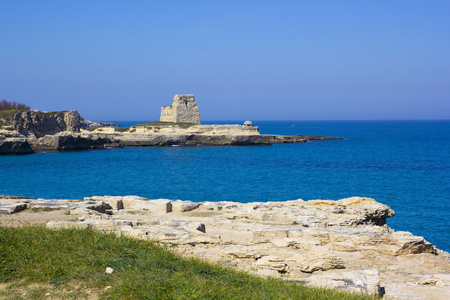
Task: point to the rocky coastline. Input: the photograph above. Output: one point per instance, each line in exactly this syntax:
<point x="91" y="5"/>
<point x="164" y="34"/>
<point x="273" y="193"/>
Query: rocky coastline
<point x="338" y="244"/>
<point x="31" y="131"/>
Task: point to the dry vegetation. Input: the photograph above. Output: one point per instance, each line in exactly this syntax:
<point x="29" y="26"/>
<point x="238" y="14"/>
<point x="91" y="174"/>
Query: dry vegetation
<point x="7" y="105"/>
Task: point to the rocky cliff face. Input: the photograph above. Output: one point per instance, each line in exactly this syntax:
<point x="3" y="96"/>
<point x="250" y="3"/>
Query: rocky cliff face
<point x="39" y="124"/>
<point x="68" y="141"/>
<point x="183" y="110"/>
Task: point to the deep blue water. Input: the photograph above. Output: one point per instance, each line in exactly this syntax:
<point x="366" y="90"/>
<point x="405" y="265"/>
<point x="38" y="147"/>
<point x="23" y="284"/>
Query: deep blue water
<point x="404" y="164"/>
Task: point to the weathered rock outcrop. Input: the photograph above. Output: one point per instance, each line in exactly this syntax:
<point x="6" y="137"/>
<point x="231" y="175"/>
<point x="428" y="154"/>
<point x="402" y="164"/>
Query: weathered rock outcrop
<point x="65" y="141"/>
<point x="11" y="142"/>
<point x="86" y="124"/>
<point x="15" y="146"/>
<point x="344" y="244"/>
<point x="183" y="110"/>
<point x="39" y="124"/>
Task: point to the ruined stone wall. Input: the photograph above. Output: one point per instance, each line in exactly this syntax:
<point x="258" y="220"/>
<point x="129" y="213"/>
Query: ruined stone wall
<point x="168" y="114"/>
<point x="184" y="109"/>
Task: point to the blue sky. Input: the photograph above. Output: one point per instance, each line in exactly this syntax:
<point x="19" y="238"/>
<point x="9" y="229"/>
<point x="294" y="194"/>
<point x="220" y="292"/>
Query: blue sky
<point x="257" y="60"/>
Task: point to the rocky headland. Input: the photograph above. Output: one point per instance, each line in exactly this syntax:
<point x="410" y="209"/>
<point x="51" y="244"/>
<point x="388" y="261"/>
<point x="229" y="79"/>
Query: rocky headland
<point x="338" y="244"/>
<point x="24" y="132"/>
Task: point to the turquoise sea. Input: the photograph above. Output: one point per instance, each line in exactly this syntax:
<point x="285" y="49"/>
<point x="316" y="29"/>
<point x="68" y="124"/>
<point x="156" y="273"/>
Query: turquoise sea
<point x="404" y="164"/>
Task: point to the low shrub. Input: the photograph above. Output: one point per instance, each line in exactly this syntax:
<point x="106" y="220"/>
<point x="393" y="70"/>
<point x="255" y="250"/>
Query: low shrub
<point x="6" y="105"/>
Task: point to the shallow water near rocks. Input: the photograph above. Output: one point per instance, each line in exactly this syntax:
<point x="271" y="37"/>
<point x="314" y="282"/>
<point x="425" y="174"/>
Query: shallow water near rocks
<point x="404" y="164"/>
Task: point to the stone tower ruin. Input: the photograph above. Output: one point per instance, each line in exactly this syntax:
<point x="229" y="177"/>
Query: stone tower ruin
<point x="184" y="109"/>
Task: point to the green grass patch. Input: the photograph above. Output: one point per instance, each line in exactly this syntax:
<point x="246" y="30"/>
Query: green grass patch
<point x="121" y="129"/>
<point x="156" y="124"/>
<point x="8" y="112"/>
<point x="7" y="116"/>
<point x="70" y="263"/>
<point x="44" y="209"/>
<point x="159" y="123"/>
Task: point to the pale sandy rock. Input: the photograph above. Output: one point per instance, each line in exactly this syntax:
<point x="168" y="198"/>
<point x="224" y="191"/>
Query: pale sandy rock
<point x="364" y="281"/>
<point x="123" y="223"/>
<point x="133" y="198"/>
<point x="110" y="130"/>
<point x="194" y="227"/>
<point x="307" y="258"/>
<point x="389" y="243"/>
<point x="183" y="206"/>
<point x="218" y="130"/>
<point x="11" y="208"/>
<point x="158" y="205"/>
<point x="297" y="243"/>
<point x="67" y="224"/>
<point x="439" y="280"/>
<point x="410" y="244"/>
<point x="115" y="202"/>
<point x="170" y="236"/>
<point x="240" y="252"/>
<point x="269" y="262"/>
<point x="313" y="258"/>
<point x="265" y="236"/>
<point x="443" y="280"/>
<point x="341" y="243"/>
<point x="310" y="234"/>
<point x="268" y="273"/>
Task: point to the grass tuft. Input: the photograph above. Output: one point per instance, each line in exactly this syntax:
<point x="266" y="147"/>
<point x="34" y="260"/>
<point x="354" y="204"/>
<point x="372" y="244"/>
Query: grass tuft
<point x="156" y="124"/>
<point x="44" y="209"/>
<point x="71" y="263"/>
<point x="159" y="123"/>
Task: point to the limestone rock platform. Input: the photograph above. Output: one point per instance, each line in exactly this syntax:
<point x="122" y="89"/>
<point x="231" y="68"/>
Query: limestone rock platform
<point x="338" y="244"/>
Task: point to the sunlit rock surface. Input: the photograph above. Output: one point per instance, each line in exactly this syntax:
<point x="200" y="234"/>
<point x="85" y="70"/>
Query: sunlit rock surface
<point x="344" y="244"/>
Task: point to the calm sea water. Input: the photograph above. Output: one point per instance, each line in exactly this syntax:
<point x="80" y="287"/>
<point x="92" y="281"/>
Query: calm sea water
<point x="404" y="164"/>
